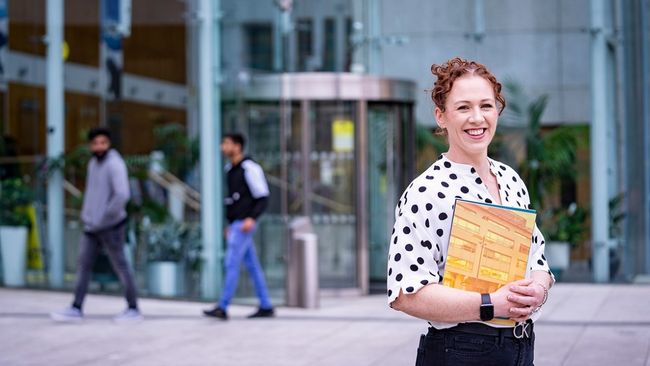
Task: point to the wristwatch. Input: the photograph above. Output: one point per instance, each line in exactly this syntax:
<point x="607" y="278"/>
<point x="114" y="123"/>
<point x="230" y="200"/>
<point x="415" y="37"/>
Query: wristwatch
<point x="487" y="308"/>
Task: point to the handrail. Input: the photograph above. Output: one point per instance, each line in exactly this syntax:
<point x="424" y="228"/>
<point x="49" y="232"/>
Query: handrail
<point x="70" y="188"/>
<point x="188" y="194"/>
<point x="327" y="202"/>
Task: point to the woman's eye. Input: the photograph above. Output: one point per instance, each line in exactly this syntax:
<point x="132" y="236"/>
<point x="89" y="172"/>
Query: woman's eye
<point x="486" y="106"/>
<point x="462" y="108"/>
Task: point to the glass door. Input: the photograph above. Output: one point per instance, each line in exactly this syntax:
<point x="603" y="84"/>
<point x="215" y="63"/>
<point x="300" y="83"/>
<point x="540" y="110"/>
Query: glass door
<point x="383" y="185"/>
<point x="331" y="200"/>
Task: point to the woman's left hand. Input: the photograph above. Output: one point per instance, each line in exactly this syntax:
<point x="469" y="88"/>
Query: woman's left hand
<point x="530" y="297"/>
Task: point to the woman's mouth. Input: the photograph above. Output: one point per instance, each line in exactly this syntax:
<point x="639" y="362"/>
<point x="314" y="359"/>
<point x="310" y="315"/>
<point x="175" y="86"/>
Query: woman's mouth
<point x="476" y="133"/>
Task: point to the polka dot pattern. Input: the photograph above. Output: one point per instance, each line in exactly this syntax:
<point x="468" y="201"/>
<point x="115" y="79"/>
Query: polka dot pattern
<point x="423" y="221"/>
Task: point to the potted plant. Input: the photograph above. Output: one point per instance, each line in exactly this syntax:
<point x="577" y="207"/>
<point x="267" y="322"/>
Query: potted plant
<point x="564" y="229"/>
<point x="14" y="225"/>
<point x="165" y="254"/>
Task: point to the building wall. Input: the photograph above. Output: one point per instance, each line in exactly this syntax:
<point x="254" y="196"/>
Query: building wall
<point x="544" y="45"/>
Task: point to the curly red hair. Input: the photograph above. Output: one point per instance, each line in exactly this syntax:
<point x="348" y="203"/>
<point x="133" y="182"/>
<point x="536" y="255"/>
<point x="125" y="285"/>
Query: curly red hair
<point x="454" y="68"/>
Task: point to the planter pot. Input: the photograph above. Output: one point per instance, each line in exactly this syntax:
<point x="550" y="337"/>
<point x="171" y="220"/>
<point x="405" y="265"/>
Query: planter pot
<point x="558" y="254"/>
<point x="14" y="254"/>
<point x="164" y="278"/>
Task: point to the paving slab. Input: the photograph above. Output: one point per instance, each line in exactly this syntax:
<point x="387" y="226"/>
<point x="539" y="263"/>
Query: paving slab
<point x="582" y="324"/>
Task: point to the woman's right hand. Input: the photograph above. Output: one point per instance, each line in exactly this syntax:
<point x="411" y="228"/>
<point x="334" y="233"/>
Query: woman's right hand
<point x="500" y="300"/>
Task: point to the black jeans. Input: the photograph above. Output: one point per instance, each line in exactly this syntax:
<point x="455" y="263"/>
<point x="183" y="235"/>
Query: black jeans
<point x="112" y="240"/>
<point x="452" y="348"/>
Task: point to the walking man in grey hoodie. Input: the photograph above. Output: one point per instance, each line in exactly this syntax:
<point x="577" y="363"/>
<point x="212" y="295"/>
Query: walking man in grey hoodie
<point x="104" y="219"/>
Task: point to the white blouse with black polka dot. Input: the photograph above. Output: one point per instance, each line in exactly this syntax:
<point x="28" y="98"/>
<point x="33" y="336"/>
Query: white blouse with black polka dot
<point x="418" y="244"/>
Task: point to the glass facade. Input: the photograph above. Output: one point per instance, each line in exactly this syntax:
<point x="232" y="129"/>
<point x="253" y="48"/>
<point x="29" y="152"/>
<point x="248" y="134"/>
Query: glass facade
<point x="337" y="147"/>
<point x="142" y="82"/>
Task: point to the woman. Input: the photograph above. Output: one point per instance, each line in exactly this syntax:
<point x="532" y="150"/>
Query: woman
<point x="468" y="103"/>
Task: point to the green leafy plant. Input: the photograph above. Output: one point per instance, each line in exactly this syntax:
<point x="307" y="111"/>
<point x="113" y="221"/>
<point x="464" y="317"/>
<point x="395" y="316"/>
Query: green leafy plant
<point x="549" y="158"/>
<point x="15" y="195"/>
<point x="565" y="225"/>
<point x="181" y="152"/>
<point x="173" y="242"/>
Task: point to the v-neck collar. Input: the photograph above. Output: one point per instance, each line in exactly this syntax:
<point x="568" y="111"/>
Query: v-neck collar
<point x="470" y="170"/>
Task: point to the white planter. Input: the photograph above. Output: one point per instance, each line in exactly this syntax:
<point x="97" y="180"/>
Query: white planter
<point x="14" y="254"/>
<point x="558" y="254"/>
<point x="164" y="278"/>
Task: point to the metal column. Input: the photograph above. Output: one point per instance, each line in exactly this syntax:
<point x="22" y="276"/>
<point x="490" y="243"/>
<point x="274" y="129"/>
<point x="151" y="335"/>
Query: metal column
<point x="305" y="153"/>
<point x="361" y="194"/>
<point x="599" y="148"/>
<point x="55" y="107"/>
<point x="210" y="132"/>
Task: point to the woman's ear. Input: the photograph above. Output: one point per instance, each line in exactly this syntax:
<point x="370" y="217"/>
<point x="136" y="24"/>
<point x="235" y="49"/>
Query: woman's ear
<point x="439" y="118"/>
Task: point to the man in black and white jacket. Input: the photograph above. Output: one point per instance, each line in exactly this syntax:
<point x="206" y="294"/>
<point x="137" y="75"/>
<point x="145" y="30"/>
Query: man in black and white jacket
<point x="247" y="198"/>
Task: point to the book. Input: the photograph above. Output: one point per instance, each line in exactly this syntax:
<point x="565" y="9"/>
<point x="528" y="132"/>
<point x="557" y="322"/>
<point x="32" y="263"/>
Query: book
<point x="489" y="246"/>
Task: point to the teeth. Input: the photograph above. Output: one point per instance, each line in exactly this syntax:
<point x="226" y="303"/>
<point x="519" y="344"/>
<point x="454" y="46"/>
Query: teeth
<point x="476" y="132"/>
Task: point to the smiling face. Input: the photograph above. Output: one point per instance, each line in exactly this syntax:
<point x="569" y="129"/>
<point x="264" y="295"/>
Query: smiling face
<point x="470" y="118"/>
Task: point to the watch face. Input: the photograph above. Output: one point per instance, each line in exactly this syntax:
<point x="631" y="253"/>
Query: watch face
<point x="487" y="312"/>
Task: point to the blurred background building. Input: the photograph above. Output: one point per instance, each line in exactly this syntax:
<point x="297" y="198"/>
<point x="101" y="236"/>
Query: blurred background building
<point x="333" y="97"/>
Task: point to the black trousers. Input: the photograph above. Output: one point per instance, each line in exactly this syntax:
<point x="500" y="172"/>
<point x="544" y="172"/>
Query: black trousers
<point x="448" y="347"/>
<point x="112" y="240"/>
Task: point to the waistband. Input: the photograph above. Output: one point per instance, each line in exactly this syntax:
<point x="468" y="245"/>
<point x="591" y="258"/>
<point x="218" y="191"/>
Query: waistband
<point x="520" y="331"/>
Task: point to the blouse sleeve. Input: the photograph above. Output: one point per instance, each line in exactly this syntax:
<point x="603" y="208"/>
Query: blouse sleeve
<point x="414" y="252"/>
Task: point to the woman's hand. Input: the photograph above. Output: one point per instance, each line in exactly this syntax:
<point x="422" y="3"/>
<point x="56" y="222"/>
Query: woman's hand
<point x="503" y="300"/>
<point x="528" y="297"/>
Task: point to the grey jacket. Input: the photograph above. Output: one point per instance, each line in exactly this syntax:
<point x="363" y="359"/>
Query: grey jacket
<point x="107" y="193"/>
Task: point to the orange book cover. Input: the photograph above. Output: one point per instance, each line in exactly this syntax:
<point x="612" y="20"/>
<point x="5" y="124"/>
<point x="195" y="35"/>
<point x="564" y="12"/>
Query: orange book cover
<point x="489" y="247"/>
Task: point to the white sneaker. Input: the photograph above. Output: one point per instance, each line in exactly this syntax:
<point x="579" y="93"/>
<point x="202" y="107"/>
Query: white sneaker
<point x="67" y="315"/>
<point x="129" y="316"/>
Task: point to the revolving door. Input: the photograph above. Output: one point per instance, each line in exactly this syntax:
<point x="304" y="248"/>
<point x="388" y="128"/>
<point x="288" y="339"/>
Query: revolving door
<point x="338" y="149"/>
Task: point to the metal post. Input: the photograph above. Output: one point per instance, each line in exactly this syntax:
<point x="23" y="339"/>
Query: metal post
<point x="55" y="138"/>
<point x="599" y="148"/>
<point x="361" y="167"/>
<point x="210" y="127"/>
<point x="305" y="157"/>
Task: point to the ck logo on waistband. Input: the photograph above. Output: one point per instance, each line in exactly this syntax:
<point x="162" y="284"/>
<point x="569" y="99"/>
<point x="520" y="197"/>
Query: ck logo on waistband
<point x="522" y="330"/>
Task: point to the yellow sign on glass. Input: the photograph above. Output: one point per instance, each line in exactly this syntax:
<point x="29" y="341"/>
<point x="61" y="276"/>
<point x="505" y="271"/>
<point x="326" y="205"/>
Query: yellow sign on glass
<point x="342" y="135"/>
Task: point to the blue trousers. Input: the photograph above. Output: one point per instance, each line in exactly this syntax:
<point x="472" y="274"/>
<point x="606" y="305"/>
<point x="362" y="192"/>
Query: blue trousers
<point x="242" y="248"/>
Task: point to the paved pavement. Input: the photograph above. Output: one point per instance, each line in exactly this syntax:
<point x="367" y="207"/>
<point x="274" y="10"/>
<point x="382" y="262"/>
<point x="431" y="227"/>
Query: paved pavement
<point x="582" y="325"/>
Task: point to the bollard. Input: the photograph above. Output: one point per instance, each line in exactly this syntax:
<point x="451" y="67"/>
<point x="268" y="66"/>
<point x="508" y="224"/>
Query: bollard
<point x="302" y="269"/>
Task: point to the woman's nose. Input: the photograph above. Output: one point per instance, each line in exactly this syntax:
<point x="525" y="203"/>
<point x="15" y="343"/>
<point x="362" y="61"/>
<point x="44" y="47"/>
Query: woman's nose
<point x="476" y="116"/>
